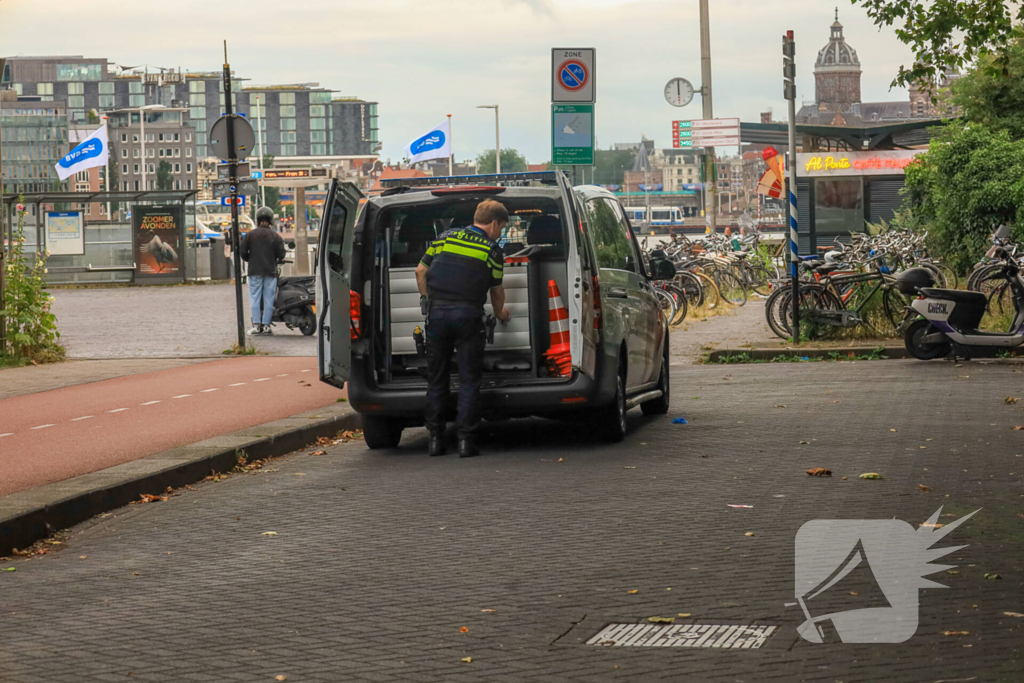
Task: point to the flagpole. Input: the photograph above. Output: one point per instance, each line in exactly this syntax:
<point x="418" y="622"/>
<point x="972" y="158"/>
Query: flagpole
<point x="451" y="147"/>
<point x="106" y="172"/>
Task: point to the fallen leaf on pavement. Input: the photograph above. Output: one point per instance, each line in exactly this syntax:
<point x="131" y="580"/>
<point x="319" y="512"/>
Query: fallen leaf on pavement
<point x="992" y="576"/>
<point x="560" y="459"/>
<point x="780" y="406"/>
<point x="928" y="525"/>
<point x="662" y="620"/>
<point x="1017" y="428"/>
<point x="819" y="472"/>
<point x="683" y="614"/>
<point x="282" y="677"/>
<point x="924" y="488"/>
<point x="749" y="533"/>
<point x="806" y="442"/>
<point x="83" y="557"/>
<point x="488" y="610"/>
<point x="629" y="467"/>
<point x="319" y="453"/>
<point x="892" y="430"/>
<point x="147" y="498"/>
<point x="844" y="478"/>
<point x="955" y="633"/>
<point x="1014" y="614"/>
<point x="269" y="533"/>
<point x="463" y="629"/>
<point x="467" y="660"/>
<point x="871" y="475"/>
<point x="634" y="591"/>
<point x="10" y="569"/>
<point x="952" y="571"/>
<point x="1012" y="399"/>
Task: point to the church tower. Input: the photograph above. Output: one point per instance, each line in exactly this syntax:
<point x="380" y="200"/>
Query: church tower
<point x="836" y="73"/>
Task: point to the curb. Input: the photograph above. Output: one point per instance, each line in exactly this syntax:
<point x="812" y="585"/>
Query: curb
<point x="769" y="354"/>
<point x="31" y="515"/>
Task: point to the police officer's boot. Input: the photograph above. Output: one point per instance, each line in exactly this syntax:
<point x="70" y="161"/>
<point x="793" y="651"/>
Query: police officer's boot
<point x="435" y="445"/>
<point x="467" y="448"/>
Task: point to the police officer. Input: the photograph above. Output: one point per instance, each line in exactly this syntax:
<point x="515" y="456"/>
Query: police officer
<point x="456" y="274"/>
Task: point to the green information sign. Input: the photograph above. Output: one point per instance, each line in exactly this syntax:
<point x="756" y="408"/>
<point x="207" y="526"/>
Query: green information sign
<point x="572" y="134"/>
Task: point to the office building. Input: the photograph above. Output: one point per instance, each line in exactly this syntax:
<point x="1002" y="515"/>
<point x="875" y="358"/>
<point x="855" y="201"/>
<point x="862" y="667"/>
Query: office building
<point x="33" y="138"/>
<point x="141" y="147"/>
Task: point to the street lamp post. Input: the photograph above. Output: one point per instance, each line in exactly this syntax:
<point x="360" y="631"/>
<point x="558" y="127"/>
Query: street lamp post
<point x="497" y="138"/>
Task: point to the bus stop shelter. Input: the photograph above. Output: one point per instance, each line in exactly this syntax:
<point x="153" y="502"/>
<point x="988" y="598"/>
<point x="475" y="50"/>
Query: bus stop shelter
<point x="83" y="250"/>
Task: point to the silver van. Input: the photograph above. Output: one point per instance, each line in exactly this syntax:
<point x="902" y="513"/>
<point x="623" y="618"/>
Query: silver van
<point x="576" y="242"/>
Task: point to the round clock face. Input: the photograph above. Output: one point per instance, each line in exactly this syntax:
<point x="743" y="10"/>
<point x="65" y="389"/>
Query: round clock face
<point x="679" y="92"/>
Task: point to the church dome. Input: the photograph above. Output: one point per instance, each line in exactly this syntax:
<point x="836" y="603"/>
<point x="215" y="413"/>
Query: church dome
<point x="837" y="55"/>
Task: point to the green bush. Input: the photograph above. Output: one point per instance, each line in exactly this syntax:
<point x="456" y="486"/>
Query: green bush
<point x="32" y="334"/>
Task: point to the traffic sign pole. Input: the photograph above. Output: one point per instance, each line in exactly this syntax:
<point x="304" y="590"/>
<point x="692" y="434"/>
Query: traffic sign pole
<point x="705" y="91"/>
<point x="233" y="172"/>
<point x="789" y="88"/>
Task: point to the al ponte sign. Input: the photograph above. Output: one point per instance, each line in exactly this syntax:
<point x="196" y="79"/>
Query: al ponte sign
<point x="883" y="162"/>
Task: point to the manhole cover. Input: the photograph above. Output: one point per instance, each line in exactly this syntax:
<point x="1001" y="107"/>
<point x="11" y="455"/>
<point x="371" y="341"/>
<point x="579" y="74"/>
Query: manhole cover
<point x="725" y="636"/>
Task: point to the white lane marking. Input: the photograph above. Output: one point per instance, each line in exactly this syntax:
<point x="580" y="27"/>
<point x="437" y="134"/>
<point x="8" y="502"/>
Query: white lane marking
<point x="206" y="391"/>
<point x="182" y="396"/>
<point x="7" y="434"/>
<point x="305" y="370"/>
<point x="84" y="417"/>
<point x="236" y="384"/>
<point x="44" y="426"/>
<point x="285" y="374"/>
<point x="148" y="403"/>
<point x="117" y="410"/>
<point x="261" y="379"/>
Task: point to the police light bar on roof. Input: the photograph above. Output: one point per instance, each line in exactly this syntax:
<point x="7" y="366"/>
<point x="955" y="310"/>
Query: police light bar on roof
<point x="492" y="179"/>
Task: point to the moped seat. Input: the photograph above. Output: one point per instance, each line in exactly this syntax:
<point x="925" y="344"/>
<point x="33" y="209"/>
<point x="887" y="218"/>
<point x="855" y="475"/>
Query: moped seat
<point x="959" y="296"/>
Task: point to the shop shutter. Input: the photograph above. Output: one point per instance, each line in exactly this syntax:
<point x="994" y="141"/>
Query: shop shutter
<point x="883" y="197"/>
<point x="803" y="214"/>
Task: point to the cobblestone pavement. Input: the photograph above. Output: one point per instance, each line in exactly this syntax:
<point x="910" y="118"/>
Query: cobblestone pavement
<point x="382" y="559"/>
<point x="738" y="327"/>
<point x="154" y="322"/>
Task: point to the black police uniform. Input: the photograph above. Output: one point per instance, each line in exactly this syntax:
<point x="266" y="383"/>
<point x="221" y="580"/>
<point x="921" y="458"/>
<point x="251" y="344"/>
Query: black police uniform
<point x="463" y="266"/>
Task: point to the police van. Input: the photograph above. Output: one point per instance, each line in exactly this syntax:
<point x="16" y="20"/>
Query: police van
<point x="565" y="248"/>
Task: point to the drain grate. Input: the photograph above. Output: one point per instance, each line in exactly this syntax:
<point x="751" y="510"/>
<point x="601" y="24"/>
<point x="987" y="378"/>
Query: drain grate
<point x="724" y="636"/>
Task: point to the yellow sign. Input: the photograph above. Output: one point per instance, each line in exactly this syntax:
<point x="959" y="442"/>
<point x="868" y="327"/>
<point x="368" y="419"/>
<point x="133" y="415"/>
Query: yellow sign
<point x="818" y="163"/>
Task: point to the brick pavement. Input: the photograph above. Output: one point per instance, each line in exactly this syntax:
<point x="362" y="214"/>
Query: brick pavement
<point x="151" y="322"/>
<point x="380" y="558"/>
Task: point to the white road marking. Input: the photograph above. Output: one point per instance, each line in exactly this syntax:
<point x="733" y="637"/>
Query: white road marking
<point x="43" y="426"/>
<point x="182" y="396"/>
<point x="7" y="434"/>
<point x="117" y="410"/>
<point x="261" y="379"/>
<point x="285" y="374"/>
<point x="206" y="391"/>
<point x="148" y="403"/>
<point x="305" y="370"/>
<point x="84" y="417"/>
<point x="236" y="384"/>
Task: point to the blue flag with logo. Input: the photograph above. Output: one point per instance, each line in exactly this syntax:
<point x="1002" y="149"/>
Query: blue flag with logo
<point x="436" y="144"/>
<point x="94" y="151"/>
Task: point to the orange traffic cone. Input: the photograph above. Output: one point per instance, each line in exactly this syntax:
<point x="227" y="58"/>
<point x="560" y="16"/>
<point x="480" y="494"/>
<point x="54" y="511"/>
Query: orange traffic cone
<point x="558" y="354"/>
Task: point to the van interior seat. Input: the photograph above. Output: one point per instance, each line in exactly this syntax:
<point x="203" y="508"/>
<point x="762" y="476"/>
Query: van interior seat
<point x="546" y="231"/>
<point x="416" y="237"/>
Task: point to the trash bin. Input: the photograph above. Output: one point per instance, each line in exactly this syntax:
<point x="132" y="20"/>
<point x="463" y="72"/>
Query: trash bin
<point x="219" y="268"/>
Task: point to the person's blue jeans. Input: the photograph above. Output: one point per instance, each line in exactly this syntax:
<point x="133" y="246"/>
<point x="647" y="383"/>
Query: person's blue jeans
<point x="262" y="290"/>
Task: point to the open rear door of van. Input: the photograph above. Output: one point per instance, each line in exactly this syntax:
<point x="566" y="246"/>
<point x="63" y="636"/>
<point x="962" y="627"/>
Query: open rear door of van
<point x="333" y="283"/>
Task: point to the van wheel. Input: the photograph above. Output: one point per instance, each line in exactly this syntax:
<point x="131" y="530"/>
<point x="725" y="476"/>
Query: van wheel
<point x="659" y="406"/>
<point x="610" y="421"/>
<point x="381" y="432"/>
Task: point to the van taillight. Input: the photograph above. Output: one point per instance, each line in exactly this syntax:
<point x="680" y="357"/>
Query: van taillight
<point x="596" y="290"/>
<point x="355" y="307"/>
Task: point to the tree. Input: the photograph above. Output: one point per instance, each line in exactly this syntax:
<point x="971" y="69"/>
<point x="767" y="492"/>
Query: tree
<point x="273" y="194"/>
<point x="92" y="117"/>
<point x="995" y="102"/>
<point x="511" y="162"/>
<point x="969" y="183"/>
<point x="163" y="176"/>
<point x="946" y="35"/>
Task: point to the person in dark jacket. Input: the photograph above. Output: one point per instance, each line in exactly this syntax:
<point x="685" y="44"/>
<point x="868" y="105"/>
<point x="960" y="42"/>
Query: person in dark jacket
<point x="262" y="249"/>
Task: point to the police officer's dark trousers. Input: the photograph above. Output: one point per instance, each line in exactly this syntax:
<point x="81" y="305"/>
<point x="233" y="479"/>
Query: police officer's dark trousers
<point x="458" y="328"/>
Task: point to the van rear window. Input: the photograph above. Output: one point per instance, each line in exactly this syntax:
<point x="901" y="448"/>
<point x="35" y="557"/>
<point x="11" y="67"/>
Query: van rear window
<point x="408" y="231"/>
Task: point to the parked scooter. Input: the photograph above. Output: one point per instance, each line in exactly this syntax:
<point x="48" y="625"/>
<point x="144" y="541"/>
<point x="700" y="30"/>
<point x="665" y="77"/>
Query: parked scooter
<point x="295" y="302"/>
<point x="949" y="318"/>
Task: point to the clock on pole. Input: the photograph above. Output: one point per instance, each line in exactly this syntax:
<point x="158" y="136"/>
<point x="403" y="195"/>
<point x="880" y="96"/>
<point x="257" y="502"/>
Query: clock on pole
<point x="679" y="92"/>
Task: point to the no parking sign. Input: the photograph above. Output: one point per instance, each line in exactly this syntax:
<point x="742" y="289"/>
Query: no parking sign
<point x="572" y="74"/>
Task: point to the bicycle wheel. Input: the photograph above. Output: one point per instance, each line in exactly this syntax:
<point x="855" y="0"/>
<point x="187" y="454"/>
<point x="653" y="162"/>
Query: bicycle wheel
<point x="813" y="298"/>
<point x="691" y="286"/>
<point x="952" y="281"/>
<point x="682" y="305"/>
<point x="895" y="305"/>
<point x="667" y="302"/>
<point x="760" y="280"/>
<point x="777" y="302"/>
<point x="712" y="295"/>
<point x="731" y="287"/>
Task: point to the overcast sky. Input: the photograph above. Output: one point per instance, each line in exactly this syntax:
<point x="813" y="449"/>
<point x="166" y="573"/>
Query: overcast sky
<point x="423" y="59"/>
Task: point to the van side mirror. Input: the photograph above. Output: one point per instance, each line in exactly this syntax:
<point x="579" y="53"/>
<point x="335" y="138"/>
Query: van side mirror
<point x="662" y="269"/>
